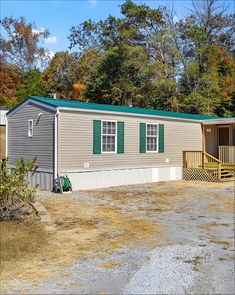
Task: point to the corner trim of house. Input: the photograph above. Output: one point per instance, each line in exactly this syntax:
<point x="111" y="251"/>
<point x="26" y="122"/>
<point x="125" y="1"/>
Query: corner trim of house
<point x="56" y="144"/>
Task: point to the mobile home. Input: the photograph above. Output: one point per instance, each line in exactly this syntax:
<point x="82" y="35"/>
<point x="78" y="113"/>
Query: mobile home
<point x="105" y="145"/>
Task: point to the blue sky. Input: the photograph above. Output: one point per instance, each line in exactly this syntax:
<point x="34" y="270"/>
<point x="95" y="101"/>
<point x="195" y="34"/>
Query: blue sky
<point x="58" y="16"/>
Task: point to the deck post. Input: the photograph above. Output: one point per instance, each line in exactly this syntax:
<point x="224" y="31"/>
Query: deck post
<point x="203" y="139"/>
<point x="203" y="145"/>
<point x="219" y="171"/>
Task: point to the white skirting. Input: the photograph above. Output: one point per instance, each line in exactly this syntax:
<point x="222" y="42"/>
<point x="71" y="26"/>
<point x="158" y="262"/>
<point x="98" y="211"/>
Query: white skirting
<point x="107" y="178"/>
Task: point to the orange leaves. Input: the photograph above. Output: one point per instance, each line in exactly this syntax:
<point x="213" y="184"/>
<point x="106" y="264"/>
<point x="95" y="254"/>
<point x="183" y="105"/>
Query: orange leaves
<point x="78" y="91"/>
<point x="79" y="86"/>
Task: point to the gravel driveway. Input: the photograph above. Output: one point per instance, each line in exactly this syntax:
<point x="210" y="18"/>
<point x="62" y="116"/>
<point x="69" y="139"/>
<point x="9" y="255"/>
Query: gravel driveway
<point x="181" y="242"/>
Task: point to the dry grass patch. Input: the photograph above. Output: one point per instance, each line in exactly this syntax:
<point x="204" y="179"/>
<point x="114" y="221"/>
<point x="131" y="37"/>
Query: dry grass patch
<point x="110" y="264"/>
<point x="19" y="241"/>
<point x="151" y="199"/>
<point x="208" y="227"/>
<point x="22" y="252"/>
<point x="226" y="244"/>
<point x="221" y="204"/>
<point x="82" y="231"/>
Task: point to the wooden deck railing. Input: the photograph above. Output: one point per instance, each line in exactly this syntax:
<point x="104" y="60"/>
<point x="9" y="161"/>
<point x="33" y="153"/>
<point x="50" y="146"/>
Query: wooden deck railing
<point x="227" y="154"/>
<point x="192" y="159"/>
<point x="202" y="160"/>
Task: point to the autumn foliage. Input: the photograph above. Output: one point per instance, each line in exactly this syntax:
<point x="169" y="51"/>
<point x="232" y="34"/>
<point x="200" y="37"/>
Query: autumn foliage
<point x="145" y="58"/>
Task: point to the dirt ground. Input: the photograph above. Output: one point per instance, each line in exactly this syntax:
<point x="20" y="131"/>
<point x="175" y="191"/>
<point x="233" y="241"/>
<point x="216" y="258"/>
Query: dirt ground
<point x="104" y="238"/>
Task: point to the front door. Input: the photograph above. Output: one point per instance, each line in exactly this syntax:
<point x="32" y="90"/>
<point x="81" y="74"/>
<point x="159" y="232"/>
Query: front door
<point x="223" y="136"/>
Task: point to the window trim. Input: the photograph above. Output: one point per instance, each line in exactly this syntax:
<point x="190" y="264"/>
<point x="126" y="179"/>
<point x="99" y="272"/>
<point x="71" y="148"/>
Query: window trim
<point x="113" y="152"/>
<point x="156" y="124"/>
<point x="31" y="120"/>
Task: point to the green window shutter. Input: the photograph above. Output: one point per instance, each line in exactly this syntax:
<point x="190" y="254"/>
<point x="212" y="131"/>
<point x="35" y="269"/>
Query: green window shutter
<point x="142" y="138"/>
<point x="161" y="139"/>
<point x="96" y="136"/>
<point x="120" y="137"/>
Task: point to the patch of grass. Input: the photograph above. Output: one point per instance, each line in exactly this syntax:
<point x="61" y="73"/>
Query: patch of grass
<point x="222" y="242"/>
<point x="222" y="258"/>
<point x="221" y="204"/>
<point x="82" y="231"/>
<point x="20" y="241"/>
<point x="23" y="252"/>
<point x="225" y="224"/>
<point x="70" y="284"/>
<point x="195" y="261"/>
<point x="110" y="264"/>
<point x="208" y="227"/>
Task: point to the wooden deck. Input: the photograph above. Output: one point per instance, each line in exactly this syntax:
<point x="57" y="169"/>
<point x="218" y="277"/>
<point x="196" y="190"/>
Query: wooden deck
<point x="199" y="165"/>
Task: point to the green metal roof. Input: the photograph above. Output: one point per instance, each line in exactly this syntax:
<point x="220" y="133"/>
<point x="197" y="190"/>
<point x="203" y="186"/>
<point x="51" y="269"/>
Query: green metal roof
<point x="112" y="108"/>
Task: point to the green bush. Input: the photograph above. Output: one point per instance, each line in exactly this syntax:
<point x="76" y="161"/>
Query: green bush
<point x="14" y="187"/>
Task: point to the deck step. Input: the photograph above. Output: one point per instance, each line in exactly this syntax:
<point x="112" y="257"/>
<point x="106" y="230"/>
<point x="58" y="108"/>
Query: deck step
<point x="224" y="173"/>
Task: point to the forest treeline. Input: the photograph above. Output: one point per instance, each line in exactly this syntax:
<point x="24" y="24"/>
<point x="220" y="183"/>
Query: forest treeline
<point x="146" y="58"/>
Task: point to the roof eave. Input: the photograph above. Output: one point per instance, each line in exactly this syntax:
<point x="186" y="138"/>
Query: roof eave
<point x="218" y="121"/>
<point x="28" y="100"/>
<point x="128" y="114"/>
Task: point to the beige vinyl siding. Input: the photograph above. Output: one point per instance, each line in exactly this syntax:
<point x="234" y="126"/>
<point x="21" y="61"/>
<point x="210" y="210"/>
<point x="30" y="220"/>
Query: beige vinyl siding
<point x="212" y="140"/>
<point x="75" y="142"/>
<point x="40" y="145"/>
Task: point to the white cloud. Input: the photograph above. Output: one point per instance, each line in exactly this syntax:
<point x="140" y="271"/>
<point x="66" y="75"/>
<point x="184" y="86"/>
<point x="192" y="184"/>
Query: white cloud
<point x="39" y="30"/>
<point x="175" y="18"/>
<point x="92" y="2"/>
<point x="51" y="54"/>
<point x="51" y="40"/>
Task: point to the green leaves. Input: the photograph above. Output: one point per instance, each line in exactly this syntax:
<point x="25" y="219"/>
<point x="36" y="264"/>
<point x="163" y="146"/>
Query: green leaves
<point x="146" y="58"/>
<point x="122" y="75"/>
<point x="14" y="187"/>
<point x="31" y="84"/>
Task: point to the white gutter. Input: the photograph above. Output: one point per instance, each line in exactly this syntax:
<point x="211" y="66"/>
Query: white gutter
<point x="218" y="121"/>
<point x="56" y="145"/>
<point x="6" y="134"/>
<point x="128" y="114"/>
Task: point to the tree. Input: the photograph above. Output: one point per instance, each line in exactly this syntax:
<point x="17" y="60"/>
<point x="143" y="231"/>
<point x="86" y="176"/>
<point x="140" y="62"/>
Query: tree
<point x="148" y="58"/>
<point x="31" y="84"/>
<point x="206" y="84"/>
<point x="68" y="73"/>
<point x="141" y="27"/>
<point x="10" y="77"/>
<point x="20" y="43"/>
<point x="122" y="75"/>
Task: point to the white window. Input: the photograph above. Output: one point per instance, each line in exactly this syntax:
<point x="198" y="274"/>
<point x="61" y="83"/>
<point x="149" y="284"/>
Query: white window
<point x="30" y="128"/>
<point x="152" y="138"/>
<point x="109" y="136"/>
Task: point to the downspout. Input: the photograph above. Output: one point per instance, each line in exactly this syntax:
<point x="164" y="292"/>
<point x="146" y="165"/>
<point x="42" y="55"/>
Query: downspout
<point x="56" y="145"/>
<point x="6" y="134"/>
